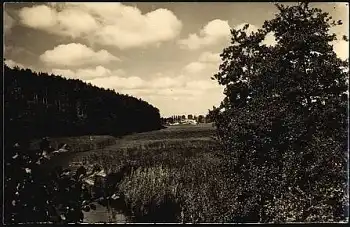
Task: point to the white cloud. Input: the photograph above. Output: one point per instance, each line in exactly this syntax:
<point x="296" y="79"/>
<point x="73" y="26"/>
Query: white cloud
<point x="11" y="64"/>
<point x="209" y="57"/>
<point x="167" y="82"/>
<point x="118" y="79"/>
<point x="67" y="73"/>
<point x="182" y="90"/>
<point x="341" y="48"/>
<point x="214" y="32"/>
<point x="207" y="63"/>
<point x="137" y="30"/>
<point x="75" y="54"/>
<point x="251" y="28"/>
<point x="103" y="77"/>
<point x="40" y="17"/>
<point x="192" y="99"/>
<point x="68" y="22"/>
<point x="136" y="84"/>
<point x="203" y="84"/>
<point x="88" y="73"/>
<point x="8" y="22"/>
<point x="104" y="23"/>
<point x="179" y="89"/>
<point x="269" y="38"/>
<point x="119" y="83"/>
<point x="195" y="67"/>
<point x="217" y="31"/>
<point x="76" y="22"/>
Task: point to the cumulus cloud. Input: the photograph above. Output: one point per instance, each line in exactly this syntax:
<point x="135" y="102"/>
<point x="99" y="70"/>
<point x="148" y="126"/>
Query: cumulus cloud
<point x="195" y="67"/>
<point x="341" y="48"/>
<point x="183" y="89"/>
<point x="167" y="82"/>
<point x="12" y="64"/>
<point x="120" y="81"/>
<point x="136" y="85"/>
<point x="207" y="62"/>
<point x="88" y="73"/>
<point x="8" y="22"/>
<point x="209" y="57"/>
<point x="217" y="31"/>
<point x="199" y="95"/>
<point x="251" y="28"/>
<point x="212" y="33"/>
<point x="102" y="77"/>
<point x="41" y="17"/>
<point x="76" y="54"/>
<point x="111" y="24"/>
<point x="67" y="73"/>
<point x="269" y="38"/>
<point x="178" y="89"/>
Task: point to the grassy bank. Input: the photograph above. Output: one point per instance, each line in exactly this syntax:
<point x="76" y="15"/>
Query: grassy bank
<point x="171" y="175"/>
<point x="159" y="181"/>
<point x="78" y="143"/>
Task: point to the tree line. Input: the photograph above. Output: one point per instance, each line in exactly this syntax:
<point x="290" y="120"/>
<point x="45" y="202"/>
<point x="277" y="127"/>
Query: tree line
<point x="39" y="104"/>
<point x="179" y="118"/>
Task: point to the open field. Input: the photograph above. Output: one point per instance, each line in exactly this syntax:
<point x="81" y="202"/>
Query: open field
<point x="170" y="175"/>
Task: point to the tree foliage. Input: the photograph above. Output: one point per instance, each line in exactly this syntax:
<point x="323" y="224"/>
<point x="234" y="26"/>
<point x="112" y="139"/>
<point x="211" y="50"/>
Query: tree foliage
<point x="282" y="124"/>
<point x="32" y="195"/>
<point x="38" y="104"/>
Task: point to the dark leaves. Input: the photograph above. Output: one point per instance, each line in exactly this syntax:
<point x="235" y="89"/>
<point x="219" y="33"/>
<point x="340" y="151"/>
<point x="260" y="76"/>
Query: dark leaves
<point x="345" y="38"/>
<point x="245" y="26"/>
<point x="86" y="208"/>
<point x="93" y="206"/>
<point x="38" y="196"/>
<point x="276" y="117"/>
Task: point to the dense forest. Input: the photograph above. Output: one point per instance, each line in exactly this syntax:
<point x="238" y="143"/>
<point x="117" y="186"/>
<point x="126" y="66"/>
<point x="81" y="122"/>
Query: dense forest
<point x="39" y="104"/>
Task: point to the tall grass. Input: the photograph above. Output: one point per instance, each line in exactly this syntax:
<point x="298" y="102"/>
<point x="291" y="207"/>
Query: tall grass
<point x="169" y="181"/>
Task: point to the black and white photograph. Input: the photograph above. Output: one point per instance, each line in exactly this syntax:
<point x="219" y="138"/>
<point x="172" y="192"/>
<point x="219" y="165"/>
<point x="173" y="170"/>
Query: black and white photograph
<point x="175" y="112"/>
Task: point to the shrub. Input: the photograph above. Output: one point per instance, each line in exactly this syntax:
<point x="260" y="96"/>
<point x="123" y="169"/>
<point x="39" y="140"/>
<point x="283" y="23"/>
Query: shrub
<point x="34" y="195"/>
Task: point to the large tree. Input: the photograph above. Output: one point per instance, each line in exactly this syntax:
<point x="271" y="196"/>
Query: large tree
<point x="283" y="122"/>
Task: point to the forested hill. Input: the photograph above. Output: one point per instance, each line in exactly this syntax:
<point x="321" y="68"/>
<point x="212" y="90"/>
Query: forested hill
<point x="38" y="104"/>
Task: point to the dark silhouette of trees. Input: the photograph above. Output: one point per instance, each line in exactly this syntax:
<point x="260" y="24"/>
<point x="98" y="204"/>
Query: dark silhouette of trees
<point x="282" y="124"/>
<point x="38" y="104"/>
<point x="33" y="194"/>
<point x="201" y="119"/>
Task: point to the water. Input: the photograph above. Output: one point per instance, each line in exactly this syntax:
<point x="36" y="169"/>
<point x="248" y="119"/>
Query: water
<point x="104" y="215"/>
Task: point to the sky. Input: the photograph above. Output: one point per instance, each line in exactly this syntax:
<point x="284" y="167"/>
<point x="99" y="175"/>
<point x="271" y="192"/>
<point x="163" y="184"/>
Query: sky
<point x="164" y="53"/>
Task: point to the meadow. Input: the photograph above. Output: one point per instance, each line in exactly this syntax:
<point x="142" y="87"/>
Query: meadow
<point x="170" y="175"/>
<point x="176" y="175"/>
